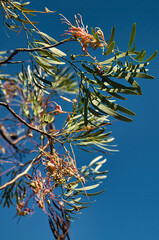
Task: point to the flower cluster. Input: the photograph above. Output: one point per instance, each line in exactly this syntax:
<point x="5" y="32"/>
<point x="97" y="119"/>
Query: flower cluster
<point x="22" y="210"/>
<point x="41" y="189"/>
<point x="80" y="32"/>
<point x="59" y="169"/>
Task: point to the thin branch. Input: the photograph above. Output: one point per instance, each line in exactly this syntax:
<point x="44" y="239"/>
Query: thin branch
<point x="19" y="139"/>
<point x="20" y="174"/>
<point x="16" y="51"/>
<point x="5" y="135"/>
<point x="24" y="122"/>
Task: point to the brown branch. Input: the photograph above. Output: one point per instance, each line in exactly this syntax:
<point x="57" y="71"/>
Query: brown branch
<point x="20" y="174"/>
<point x="24" y="122"/>
<point x="19" y="139"/>
<point x="16" y="51"/>
<point x="5" y="135"/>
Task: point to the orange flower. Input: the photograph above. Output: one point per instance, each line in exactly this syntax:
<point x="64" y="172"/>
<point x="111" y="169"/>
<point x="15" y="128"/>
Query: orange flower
<point x="81" y="33"/>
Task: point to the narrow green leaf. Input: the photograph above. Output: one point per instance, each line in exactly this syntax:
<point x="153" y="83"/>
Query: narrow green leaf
<point x="109" y="111"/>
<point x="143" y="75"/>
<point x="17" y="6"/>
<point x="85" y="111"/>
<point x="82" y="203"/>
<point x="100" y="177"/>
<point x="95" y="160"/>
<point x="129" y="67"/>
<point x="117" y="56"/>
<point x="92" y="30"/>
<point x="47" y="36"/>
<point x="54" y="50"/>
<point x="132" y="36"/>
<point x="88" y="69"/>
<point x="112" y="105"/>
<point x="130" y="79"/>
<point x="112" y="35"/>
<point x="94" y="112"/>
<point x="102" y="162"/>
<point x="43" y="79"/>
<point x="103" y="86"/>
<point x="132" y="50"/>
<point x="95" y="35"/>
<point x="152" y="56"/>
<point x="93" y="194"/>
<point x="110" y="48"/>
<point x="142" y="56"/>
<point x="97" y="168"/>
<point x="22" y="20"/>
<point x="123" y="91"/>
<point x="43" y="62"/>
<point x="87" y="188"/>
<point x="139" y="54"/>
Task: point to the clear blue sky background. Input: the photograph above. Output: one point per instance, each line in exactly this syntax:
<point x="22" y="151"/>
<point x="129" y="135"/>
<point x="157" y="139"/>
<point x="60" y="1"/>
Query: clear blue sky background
<point x="129" y="208"/>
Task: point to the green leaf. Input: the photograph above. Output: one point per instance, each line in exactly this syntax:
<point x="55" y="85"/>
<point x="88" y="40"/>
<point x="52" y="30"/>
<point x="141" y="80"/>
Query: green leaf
<point x="96" y="103"/>
<point x="54" y="50"/>
<point x="152" y="56"/>
<point x="125" y="90"/>
<point x="95" y="160"/>
<point x="112" y="35"/>
<point x="100" y="177"/>
<point x="97" y="168"/>
<point x="92" y="30"/>
<point x="85" y="111"/>
<point x="130" y="79"/>
<point x="139" y="54"/>
<point x="94" y="112"/>
<point x="47" y="36"/>
<point x="74" y="186"/>
<point x="132" y="50"/>
<point x="43" y="80"/>
<point x="132" y="36"/>
<point x="87" y="188"/>
<point x="95" y="35"/>
<point x="129" y="67"/>
<point x="46" y="63"/>
<point x="93" y="194"/>
<point x="117" y="56"/>
<point x="117" y="86"/>
<point x="17" y="6"/>
<point x="143" y="75"/>
<point x="88" y="69"/>
<point x="22" y="20"/>
<point x="142" y="56"/>
<point x="112" y="105"/>
<point x="110" y="48"/>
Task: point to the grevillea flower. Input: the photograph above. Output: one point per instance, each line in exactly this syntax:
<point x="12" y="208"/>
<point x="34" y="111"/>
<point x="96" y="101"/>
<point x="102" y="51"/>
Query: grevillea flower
<point x="80" y="32"/>
<point x="58" y="109"/>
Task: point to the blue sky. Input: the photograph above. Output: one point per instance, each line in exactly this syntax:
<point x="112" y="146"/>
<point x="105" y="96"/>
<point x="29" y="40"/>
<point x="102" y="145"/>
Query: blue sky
<point x="129" y="208"/>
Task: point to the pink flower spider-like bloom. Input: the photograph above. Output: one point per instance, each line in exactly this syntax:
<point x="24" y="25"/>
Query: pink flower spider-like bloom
<point x="81" y="33"/>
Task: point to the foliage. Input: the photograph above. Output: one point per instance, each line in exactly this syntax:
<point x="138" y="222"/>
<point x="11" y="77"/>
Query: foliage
<point x="38" y="135"/>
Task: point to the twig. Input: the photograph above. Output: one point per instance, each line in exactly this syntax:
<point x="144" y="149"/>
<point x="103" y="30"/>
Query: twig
<point x="20" y="174"/>
<point x="19" y="139"/>
<point x="24" y="122"/>
<point x="5" y="135"/>
<point x="16" y="51"/>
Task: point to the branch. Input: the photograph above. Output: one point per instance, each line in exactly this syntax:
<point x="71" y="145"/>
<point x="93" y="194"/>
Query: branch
<point x="16" y="51"/>
<point x="5" y="135"/>
<point x="20" y="174"/>
<point x="19" y="139"/>
<point x="24" y="122"/>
